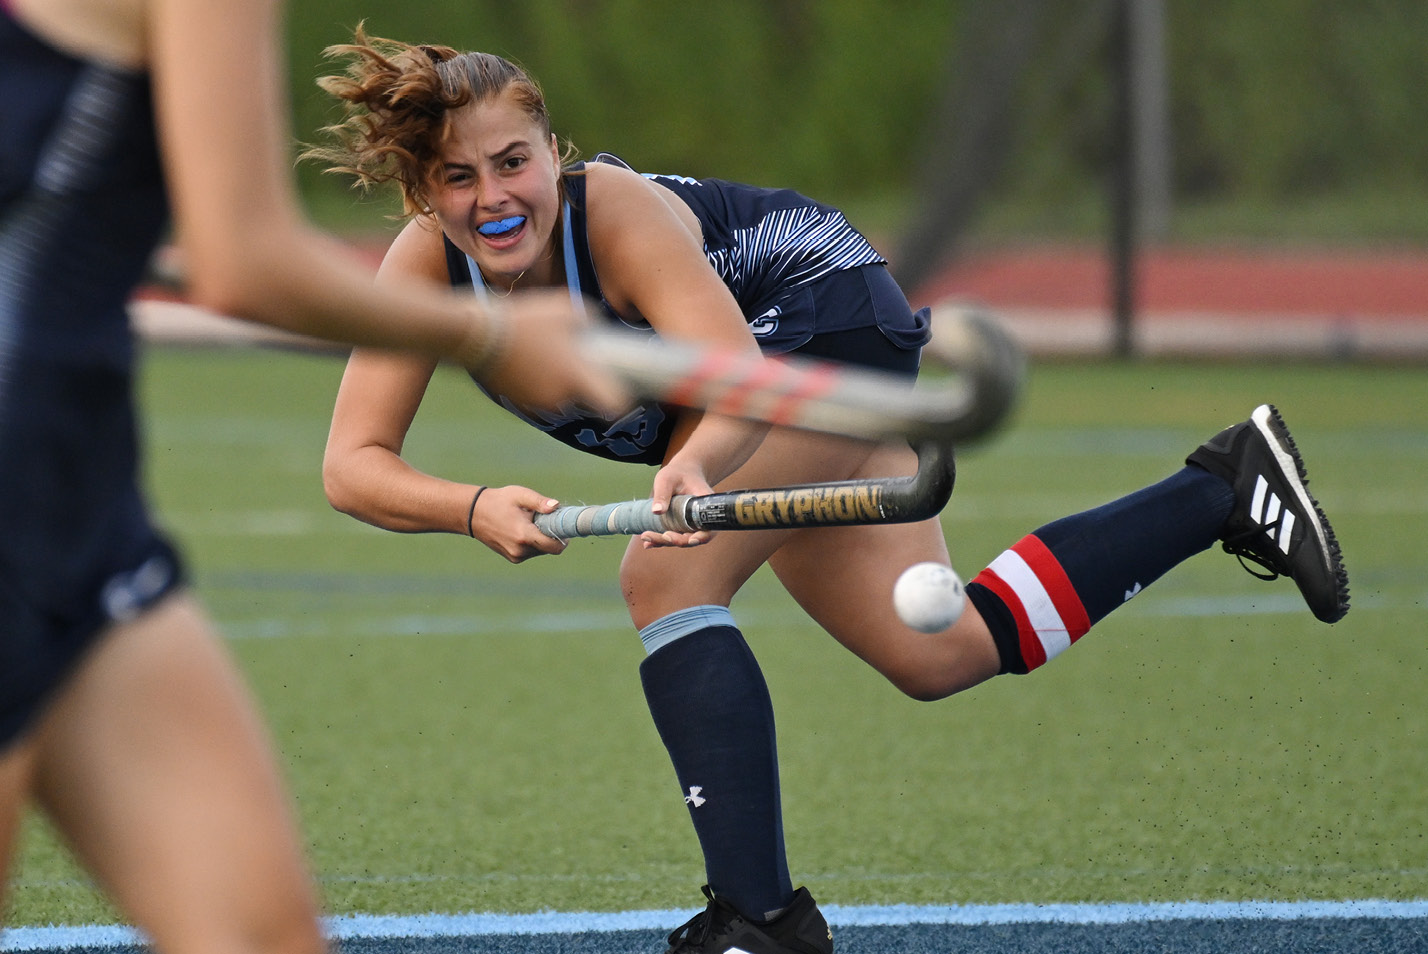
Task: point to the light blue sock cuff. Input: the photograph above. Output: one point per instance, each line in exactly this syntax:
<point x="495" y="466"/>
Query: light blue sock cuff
<point x="680" y="623"/>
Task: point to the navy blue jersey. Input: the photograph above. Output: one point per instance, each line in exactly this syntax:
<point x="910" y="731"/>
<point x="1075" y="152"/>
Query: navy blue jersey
<point x="763" y="243"/>
<point x="795" y="266"/>
<point x="81" y="209"/>
<point x="82" y="201"/>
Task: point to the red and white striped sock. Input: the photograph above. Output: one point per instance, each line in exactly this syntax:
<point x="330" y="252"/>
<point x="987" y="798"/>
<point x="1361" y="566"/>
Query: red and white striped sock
<point x="1044" y="593"/>
<point x="1048" y="614"/>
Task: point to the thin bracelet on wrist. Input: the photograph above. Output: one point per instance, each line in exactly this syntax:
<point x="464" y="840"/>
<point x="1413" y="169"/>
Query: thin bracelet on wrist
<point x="470" y="514"/>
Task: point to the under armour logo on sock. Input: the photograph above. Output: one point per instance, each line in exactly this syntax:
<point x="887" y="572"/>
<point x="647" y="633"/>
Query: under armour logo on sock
<point x="693" y="797"/>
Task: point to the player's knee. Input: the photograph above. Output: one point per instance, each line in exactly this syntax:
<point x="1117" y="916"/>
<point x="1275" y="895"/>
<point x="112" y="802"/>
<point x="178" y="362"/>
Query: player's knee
<point x="923" y="686"/>
<point x="945" y="669"/>
<point x="652" y="585"/>
<point x="640" y="589"/>
<point x="633" y="581"/>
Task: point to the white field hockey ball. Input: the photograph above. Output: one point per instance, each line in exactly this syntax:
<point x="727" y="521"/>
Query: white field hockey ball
<point x="929" y="597"/>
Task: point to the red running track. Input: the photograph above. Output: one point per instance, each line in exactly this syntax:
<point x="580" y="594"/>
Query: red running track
<point x="1388" y="285"/>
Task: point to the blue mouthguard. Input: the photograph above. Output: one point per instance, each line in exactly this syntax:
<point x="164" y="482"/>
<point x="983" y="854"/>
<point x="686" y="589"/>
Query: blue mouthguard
<point x="501" y="227"/>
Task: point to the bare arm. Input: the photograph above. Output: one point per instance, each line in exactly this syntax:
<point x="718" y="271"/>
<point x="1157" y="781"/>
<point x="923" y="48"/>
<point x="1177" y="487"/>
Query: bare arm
<point x="651" y="264"/>
<point x="217" y="73"/>
<point x="363" y="471"/>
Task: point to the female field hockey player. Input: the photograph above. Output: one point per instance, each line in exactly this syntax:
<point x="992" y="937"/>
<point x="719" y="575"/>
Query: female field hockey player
<point x="496" y="208"/>
<point x="121" y="714"/>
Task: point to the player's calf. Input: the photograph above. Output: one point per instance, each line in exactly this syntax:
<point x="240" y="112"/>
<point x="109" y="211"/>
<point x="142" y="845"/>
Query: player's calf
<point x="1245" y="487"/>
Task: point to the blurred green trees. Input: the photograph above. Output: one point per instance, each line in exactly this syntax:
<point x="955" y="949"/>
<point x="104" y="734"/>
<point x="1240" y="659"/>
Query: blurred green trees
<point x="1274" y="103"/>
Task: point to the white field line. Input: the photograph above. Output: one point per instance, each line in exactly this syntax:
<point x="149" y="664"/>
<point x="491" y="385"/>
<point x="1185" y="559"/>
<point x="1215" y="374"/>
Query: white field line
<point x="555" y="922"/>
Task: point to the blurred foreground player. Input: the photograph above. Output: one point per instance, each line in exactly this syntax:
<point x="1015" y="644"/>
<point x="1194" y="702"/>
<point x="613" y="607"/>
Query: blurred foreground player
<point x="121" y="714"/>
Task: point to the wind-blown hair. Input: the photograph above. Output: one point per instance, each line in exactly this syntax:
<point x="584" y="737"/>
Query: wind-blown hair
<point x="396" y="97"/>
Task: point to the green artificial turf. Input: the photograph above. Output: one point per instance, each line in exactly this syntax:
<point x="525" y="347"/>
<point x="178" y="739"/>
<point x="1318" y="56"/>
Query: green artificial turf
<point x="463" y="734"/>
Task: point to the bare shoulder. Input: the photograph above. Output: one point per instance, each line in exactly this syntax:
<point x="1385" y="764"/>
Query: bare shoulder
<point x="603" y="181"/>
<point x="615" y="192"/>
<point x="108" y="31"/>
<point x="417" y="253"/>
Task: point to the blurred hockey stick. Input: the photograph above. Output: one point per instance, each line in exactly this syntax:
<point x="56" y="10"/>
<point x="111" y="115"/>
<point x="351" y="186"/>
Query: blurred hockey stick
<point x="835" y="399"/>
<point x="987" y="367"/>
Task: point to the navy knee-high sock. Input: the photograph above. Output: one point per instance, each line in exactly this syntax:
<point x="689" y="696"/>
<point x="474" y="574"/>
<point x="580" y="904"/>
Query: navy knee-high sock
<point x="712" y="709"/>
<point x="1042" y="595"/>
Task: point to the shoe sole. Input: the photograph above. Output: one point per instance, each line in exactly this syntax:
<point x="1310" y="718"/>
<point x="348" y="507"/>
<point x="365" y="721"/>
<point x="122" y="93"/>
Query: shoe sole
<point x="1267" y="420"/>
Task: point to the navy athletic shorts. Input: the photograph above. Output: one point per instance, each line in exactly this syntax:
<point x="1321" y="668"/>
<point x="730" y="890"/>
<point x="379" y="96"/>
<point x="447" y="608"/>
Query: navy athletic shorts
<point x="77" y="549"/>
<point x="865" y="347"/>
<point x="866" y="297"/>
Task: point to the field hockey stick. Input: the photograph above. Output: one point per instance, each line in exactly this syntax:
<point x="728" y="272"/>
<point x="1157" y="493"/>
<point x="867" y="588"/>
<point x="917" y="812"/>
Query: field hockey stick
<point x="843" y="503"/>
<point x="816" y="396"/>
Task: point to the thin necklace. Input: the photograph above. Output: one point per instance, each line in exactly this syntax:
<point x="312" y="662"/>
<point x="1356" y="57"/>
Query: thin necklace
<point x="507" y="294"/>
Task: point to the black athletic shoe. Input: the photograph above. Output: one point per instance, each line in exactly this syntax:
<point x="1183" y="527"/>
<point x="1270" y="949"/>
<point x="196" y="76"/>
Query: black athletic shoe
<point x="1276" y="523"/>
<point x="721" y="929"/>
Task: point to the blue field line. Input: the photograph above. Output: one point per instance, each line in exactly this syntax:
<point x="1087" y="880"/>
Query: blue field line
<point x="367" y="926"/>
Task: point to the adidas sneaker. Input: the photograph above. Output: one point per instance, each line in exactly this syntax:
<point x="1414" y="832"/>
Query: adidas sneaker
<point x="1276" y="523"/>
<point x="721" y="929"/>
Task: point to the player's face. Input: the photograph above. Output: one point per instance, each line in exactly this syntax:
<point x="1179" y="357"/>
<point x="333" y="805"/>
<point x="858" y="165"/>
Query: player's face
<point x="496" y="192"/>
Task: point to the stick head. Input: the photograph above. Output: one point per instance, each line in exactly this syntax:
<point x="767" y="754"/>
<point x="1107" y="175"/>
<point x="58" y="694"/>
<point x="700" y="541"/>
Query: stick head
<point x="975" y="345"/>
